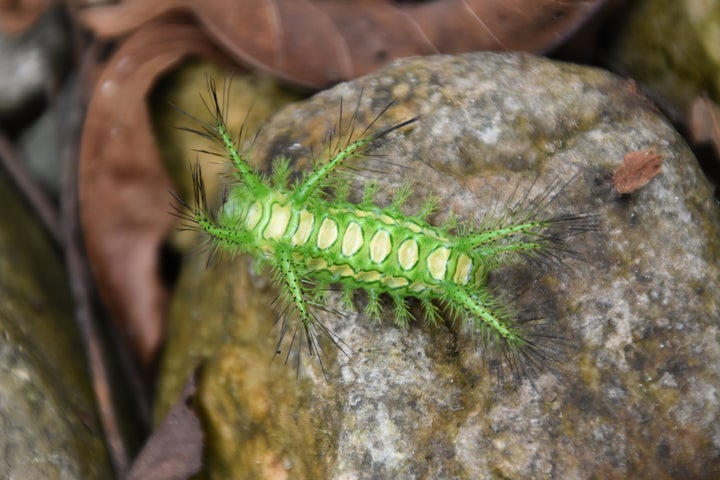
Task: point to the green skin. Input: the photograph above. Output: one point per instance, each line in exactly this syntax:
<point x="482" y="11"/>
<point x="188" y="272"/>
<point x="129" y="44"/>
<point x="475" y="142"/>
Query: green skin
<point x="306" y="238"/>
<point x="330" y="265"/>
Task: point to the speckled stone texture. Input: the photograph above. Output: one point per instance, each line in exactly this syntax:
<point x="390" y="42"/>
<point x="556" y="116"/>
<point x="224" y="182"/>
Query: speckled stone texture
<point x="634" y="393"/>
<point x="48" y="423"/>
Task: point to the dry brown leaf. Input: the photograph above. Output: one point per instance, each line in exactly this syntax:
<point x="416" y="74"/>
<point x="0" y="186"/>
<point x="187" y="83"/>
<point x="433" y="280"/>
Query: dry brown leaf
<point x="124" y="189"/>
<point x="174" y="450"/>
<point x="636" y="170"/>
<point x="18" y="15"/>
<point x="315" y="43"/>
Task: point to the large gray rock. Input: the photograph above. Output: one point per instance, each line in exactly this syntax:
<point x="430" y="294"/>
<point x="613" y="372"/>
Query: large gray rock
<point x="635" y="391"/>
<point x="48" y="423"/>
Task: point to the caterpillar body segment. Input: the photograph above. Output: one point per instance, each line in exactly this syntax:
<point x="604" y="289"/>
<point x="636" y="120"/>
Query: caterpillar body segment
<point x="312" y="240"/>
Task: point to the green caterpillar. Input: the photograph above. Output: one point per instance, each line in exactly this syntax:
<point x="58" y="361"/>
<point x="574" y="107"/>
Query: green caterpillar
<point x="312" y="240"/>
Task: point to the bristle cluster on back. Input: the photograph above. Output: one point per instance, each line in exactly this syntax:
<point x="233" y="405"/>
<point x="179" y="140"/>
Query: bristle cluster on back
<point x="312" y="241"/>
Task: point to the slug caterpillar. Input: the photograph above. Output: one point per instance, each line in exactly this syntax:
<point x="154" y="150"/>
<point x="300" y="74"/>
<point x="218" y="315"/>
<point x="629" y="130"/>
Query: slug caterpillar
<point x="311" y="237"/>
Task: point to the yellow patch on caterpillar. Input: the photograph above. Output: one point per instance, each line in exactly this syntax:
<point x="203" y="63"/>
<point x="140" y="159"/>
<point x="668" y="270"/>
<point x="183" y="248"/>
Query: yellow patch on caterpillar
<point x="417" y="287"/>
<point x="328" y="234"/>
<point x="342" y="270"/>
<point x="408" y="254"/>
<point x="415" y="228"/>
<point x="380" y="246"/>
<point x="254" y="215"/>
<point x="279" y="219"/>
<point x="314" y="264"/>
<point x="368" y="276"/>
<point x="387" y="219"/>
<point x="462" y="270"/>
<point x="304" y="229"/>
<point x="352" y="239"/>
<point x="437" y="262"/>
<point x="395" y="282"/>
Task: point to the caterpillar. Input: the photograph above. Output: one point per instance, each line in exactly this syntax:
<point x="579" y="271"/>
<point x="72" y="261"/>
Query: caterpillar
<point x="312" y="237"/>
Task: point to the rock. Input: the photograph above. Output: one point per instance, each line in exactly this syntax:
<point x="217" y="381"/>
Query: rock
<point x="634" y="390"/>
<point x="676" y="70"/>
<point x="40" y="143"/>
<point x="32" y="64"/>
<point x="48" y="423"/>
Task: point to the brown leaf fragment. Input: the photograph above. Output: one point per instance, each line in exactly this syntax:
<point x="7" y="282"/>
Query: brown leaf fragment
<point x="636" y="170"/>
<point x="123" y="186"/>
<point x="174" y="450"/>
<point x="315" y="43"/>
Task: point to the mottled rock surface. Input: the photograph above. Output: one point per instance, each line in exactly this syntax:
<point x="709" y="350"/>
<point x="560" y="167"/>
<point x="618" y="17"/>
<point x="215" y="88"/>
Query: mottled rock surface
<point x="48" y="423"/>
<point x="635" y="391"/>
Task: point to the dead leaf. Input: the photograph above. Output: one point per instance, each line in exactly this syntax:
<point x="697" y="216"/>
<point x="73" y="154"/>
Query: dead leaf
<point x="124" y="189"/>
<point x="636" y="170"/>
<point x="316" y="43"/>
<point x="174" y="450"/>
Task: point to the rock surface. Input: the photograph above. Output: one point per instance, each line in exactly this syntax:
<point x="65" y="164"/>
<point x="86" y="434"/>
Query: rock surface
<point x="30" y="65"/>
<point x="635" y="392"/>
<point x="48" y="423"/>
